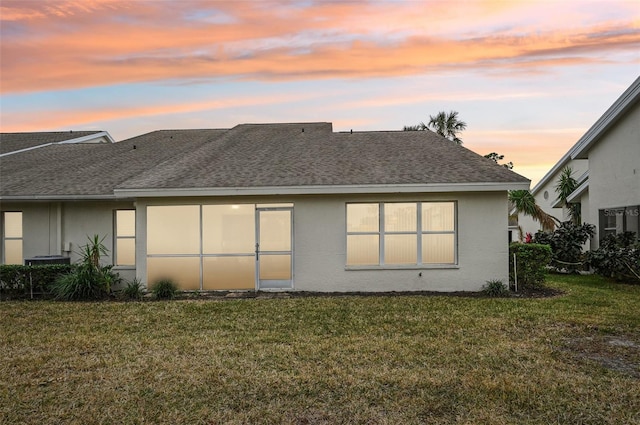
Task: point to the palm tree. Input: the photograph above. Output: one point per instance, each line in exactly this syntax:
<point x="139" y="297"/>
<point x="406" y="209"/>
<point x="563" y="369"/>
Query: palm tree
<point x="447" y="125"/>
<point x="566" y="186"/>
<point x="525" y="203"/>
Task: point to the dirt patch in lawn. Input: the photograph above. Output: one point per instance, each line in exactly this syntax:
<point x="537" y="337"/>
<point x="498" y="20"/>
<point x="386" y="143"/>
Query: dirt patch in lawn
<point x="620" y="353"/>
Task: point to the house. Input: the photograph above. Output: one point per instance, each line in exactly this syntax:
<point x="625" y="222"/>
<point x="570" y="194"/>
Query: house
<point x="12" y="143"/>
<point x="269" y="207"/>
<point x="606" y="165"/>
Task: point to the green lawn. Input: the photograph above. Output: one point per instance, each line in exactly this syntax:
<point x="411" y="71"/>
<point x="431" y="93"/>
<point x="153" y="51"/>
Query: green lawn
<point x="572" y="359"/>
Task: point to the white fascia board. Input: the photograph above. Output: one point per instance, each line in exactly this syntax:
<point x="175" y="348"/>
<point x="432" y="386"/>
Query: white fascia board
<point x="630" y="96"/>
<point x="83" y="139"/>
<point x="57" y="197"/>
<point x="320" y="190"/>
<point x="580" y="190"/>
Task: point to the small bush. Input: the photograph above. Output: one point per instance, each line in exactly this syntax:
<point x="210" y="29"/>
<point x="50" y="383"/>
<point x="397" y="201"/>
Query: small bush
<point x="495" y="288"/>
<point x="566" y="245"/>
<point x="133" y="290"/>
<point x="532" y="260"/>
<point x="618" y="257"/>
<point x="164" y="289"/>
<point x="20" y="281"/>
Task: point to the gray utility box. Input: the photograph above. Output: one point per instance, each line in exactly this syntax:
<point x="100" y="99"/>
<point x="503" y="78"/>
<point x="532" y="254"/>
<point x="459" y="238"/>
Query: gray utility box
<point x="46" y="259"/>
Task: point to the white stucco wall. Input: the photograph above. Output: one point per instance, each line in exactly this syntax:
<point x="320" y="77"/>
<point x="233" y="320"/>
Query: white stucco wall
<point x="614" y="167"/>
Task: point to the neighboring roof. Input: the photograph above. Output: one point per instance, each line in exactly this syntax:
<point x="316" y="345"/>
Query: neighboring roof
<point x="92" y="170"/>
<point x="255" y="159"/>
<point x="18" y="142"/>
<point x="624" y="103"/>
<point x="578" y="151"/>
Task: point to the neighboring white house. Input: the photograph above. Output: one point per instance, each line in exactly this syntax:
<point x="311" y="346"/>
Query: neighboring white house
<point x="12" y="143"/>
<point x="268" y="206"/>
<point x="606" y="164"/>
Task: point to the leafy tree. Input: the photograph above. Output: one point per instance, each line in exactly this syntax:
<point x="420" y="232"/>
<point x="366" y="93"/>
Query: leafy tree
<point x="565" y="186"/>
<point x="525" y="203"/>
<point x="495" y="157"/>
<point x="445" y="124"/>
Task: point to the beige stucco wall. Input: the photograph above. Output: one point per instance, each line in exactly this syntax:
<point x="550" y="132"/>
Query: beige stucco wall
<point x="319" y="239"/>
<point x="614" y="167"/>
<point x="49" y="226"/>
<point x="320" y="243"/>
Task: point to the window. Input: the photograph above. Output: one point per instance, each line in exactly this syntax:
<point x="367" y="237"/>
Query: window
<point x="125" y="244"/>
<point x="401" y="234"/>
<point x="618" y="220"/>
<point x="12" y="237"/>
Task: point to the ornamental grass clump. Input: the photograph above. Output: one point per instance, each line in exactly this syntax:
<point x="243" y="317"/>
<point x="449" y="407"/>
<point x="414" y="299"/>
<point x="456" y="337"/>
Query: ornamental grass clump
<point x="164" y="289"/>
<point x="133" y="290"/>
<point x="495" y="288"/>
<point x="89" y="280"/>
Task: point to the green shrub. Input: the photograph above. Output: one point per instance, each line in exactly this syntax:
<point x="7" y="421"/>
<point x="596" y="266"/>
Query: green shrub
<point x="495" y="288"/>
<point x="133" y="290"/>
<point x="618" y="257"/>
<point x="21" y="281"/>
<point x="89" y="280"/>
<point x="532" y="260"/>
<point x="566" y="245"/>
<point x="164" y="289"/>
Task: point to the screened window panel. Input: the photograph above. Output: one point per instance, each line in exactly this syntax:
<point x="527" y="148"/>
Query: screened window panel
<point x="228" y="273"/>
<point x="363" y="250"/>
<point x="173" y="229"/>
<point x="13" y="251"/>
<point x="400" y="217"/>
<point x="275" y="230"/>
<point x="125" y="252"/>
<point x="438" y="248"/>
<point x="400" y="249"/>
<point x="228" y="229"/>
<point x="12" y="224"/>
<point x="275" y="267"/>
<point x="184" y="271"/>
<point x="438" y="217"/>
<point x="125" y="223"/>
<point x="363" y="218"/>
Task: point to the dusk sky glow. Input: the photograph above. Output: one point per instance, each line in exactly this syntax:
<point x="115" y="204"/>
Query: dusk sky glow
<point x="528" y="77"/>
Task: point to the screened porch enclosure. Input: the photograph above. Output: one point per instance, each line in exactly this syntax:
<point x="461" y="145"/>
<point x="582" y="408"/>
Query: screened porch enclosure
<point x="220" y="247"/>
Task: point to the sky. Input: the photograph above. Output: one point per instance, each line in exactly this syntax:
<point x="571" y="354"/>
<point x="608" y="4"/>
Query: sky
<point x="528" y="77"/>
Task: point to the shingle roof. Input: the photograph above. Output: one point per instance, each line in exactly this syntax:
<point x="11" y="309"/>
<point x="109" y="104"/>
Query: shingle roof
<point x="246" y="156"/>
<point x="255" y="155"/>
<point x="93" y="169"/>
<point x="10" y="142"/>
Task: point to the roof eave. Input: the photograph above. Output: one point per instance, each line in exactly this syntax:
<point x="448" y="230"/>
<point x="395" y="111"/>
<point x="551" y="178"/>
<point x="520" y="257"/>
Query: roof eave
<point x="320" y="189"/>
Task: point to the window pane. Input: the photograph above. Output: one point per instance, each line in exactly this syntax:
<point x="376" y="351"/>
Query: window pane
<point x="126" y="223"/>
<point x="438" y="216"/>
<point x="400" y="249"/>
<point x="184" y="271"/>
<point x="228" y="229"/>
<point x="275" y="267"/>
<point x="13" y="251"/>
<point x="438" y="249"/>
<point x="173" y="229"/>
<point x="13" y="225"/>
<point x="362" y="218"/>
<point x="224" y="273"/>
<point x="275" y="230"/>
<point x="362" y="250"/>
<point x="400" y="217"/>
<point x="125" y="252"/>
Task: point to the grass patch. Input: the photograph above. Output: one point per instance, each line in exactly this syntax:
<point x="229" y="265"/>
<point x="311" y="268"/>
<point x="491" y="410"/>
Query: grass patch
<point x="402" y="359"/>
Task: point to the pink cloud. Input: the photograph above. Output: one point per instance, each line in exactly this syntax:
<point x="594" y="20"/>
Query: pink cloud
<point x="94" y="43"/>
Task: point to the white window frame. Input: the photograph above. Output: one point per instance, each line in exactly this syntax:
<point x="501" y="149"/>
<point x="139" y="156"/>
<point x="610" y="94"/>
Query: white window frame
<point x="381" y="233"/>
<point x="117" y="237"/>
<point x="11" y="238"/>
